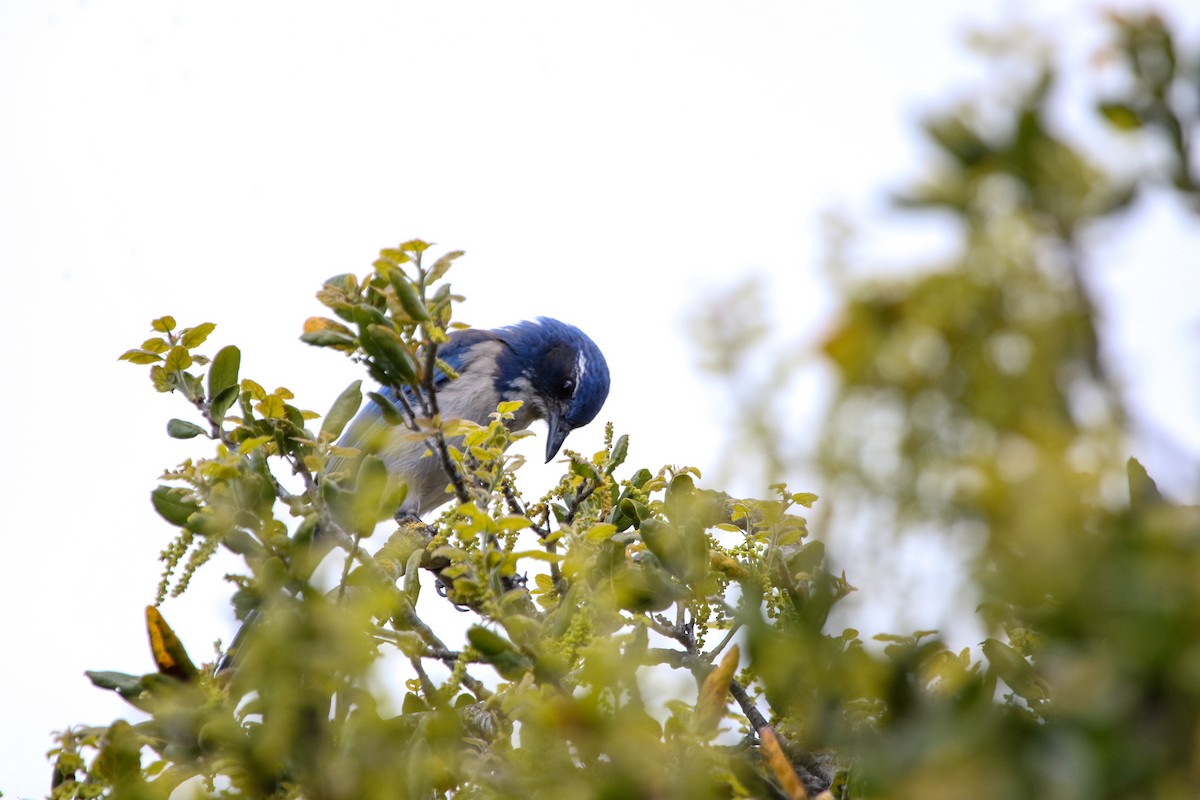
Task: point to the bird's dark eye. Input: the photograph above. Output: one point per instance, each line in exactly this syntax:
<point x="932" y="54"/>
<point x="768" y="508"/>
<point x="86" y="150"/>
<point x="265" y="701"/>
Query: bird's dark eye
<point x="568" y="385"/>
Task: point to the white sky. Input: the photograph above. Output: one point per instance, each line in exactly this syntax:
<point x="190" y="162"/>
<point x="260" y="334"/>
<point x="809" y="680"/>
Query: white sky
<point x="610" y="164"/>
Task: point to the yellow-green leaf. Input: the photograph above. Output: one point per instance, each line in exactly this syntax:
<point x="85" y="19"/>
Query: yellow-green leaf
<point x="394" y="256"/>
<point x="163" y="324"/>
<point x="538" y="555"/>
<point x="805" y="499"/>
<point x="414" y="246"/>
<point x="442" y="266"/>
<point x="194" y="337"/>
<point x="252" y="444"/>
<point x="513" y="523"/>
<point x="156" y="345"/>
<point x="271" y="406"/>
<point x="139" y="357"/>
<point x="601" y="531"/>
<point x="313" y="324"/>
<point x="178" y="359"/>
<point x="257" y="392"/>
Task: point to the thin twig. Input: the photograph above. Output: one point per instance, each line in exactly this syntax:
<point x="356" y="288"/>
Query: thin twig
<point x="350" y="557"/>
<point x="427" y="686"/>
<point x="711" y="654"/>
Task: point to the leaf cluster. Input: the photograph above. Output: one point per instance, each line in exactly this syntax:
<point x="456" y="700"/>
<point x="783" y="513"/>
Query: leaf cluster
<point x="577" y="597"/>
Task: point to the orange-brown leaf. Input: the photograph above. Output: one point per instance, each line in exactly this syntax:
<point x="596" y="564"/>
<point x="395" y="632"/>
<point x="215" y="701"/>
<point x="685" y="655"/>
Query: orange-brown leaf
<point x="711" y="704"/>
<point x="788" y="780"/>
<point x="169" y="655"/>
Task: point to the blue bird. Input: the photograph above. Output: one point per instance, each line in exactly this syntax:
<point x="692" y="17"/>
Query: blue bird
<point x="554" y="369"/>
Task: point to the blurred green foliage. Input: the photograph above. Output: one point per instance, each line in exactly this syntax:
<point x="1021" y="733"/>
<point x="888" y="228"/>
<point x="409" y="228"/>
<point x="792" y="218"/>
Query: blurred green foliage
<point x="972" y="396"/>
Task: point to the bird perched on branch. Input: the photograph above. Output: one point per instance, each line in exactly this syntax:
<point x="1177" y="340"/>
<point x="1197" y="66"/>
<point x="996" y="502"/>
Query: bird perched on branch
<point x="554" y="369"/>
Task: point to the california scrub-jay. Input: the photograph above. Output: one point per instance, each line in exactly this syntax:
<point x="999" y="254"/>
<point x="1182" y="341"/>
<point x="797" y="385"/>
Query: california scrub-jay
<point x="554" y="369"/>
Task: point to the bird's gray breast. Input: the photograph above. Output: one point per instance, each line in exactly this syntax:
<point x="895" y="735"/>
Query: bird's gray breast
<point x="472" y="396"/>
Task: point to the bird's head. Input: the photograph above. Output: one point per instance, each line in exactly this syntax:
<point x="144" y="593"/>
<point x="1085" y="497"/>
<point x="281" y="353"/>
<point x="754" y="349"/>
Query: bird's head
<point x="556" y="371"/>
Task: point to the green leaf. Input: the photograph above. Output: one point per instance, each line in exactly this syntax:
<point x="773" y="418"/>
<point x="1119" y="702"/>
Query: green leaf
<point x="174" y="504"/>
<point x="413" y="704"/>
<point x="327" y="338"/>
<point x="368" y="494"/>
<point x="392" y="414"/>
<point x="620" y="450"/>
<point x="222" y="401"/>
<point x="643" y="587"/>
<point x="390" y="349"/>
<point x="488" y="643"/>
<point x="124" y="684"/>
<point x="366" y="315"/>
<point x="222" y="374"/>
<point x="641" y="478"/>
<point x="343" y="410"/>
<point x="194" y="337"/>
<point x="1014" y="670"/>
<point x="1143" y="491"/>
<point x="182" y="429"/>
<point x="163" y="324"/>
<point x="805" y="558"/>
<point x="499" y="652"/>
<point x="585" y="469"/>
<point x="240" y="542"/>
<point x="406" y="293"/>
<point x="139" y="357"/>
<point x="1121" y="116"/>
<point x="682" y="549"/>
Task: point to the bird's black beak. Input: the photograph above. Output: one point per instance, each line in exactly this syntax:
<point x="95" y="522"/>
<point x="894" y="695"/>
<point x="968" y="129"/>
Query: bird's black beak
<point x="559" y="428"/>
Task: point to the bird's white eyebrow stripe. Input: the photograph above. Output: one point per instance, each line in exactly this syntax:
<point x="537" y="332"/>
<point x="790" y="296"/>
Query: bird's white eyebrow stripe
<point x="580" y="368"/>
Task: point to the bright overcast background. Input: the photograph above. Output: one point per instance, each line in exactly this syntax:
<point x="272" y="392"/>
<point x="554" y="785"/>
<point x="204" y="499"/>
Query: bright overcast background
<point x="610" y="164"/>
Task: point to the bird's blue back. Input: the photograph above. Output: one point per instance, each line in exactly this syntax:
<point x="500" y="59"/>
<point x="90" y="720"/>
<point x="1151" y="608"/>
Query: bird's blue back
<point x="554" y="369"/>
